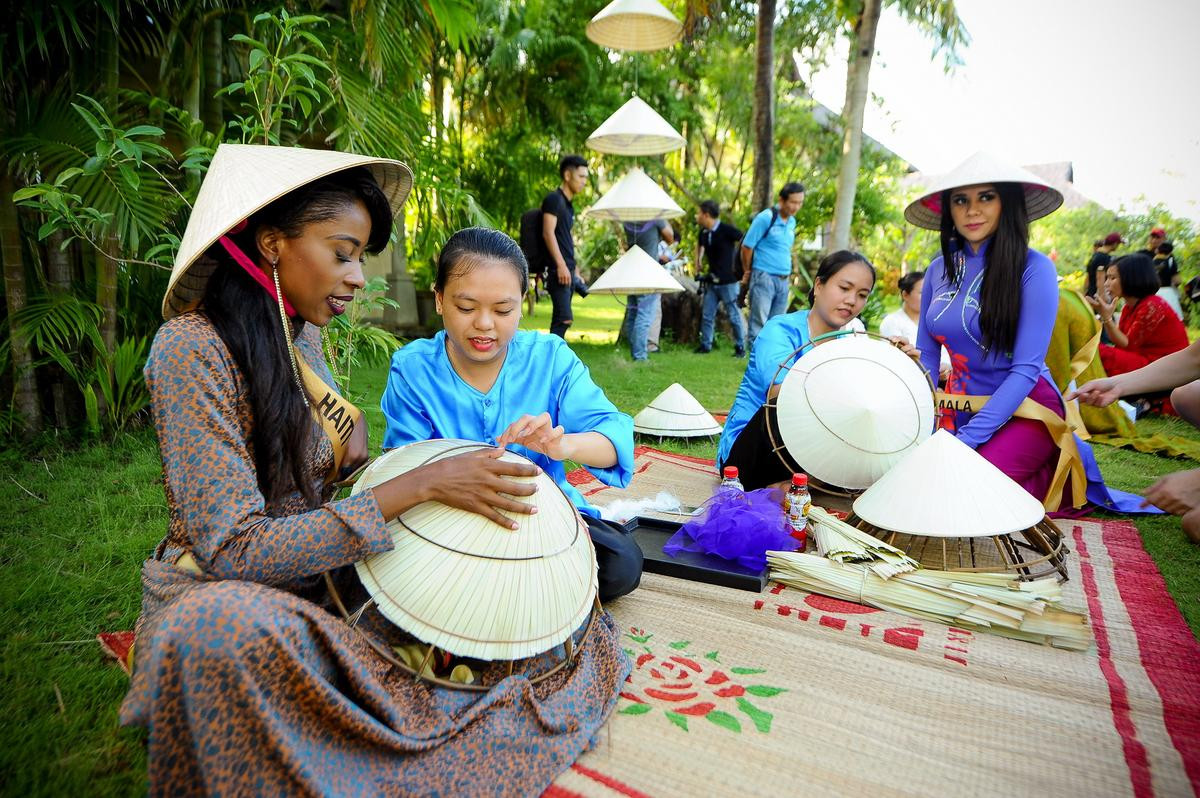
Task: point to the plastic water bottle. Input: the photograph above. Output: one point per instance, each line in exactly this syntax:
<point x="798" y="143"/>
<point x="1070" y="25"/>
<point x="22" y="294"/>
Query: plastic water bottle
<point x="730" y="480"/>
<point x="798" y="504"/>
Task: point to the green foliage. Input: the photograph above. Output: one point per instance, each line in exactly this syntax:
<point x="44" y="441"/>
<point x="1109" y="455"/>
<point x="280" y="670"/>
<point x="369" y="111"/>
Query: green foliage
<point x="351" y="343"/>
<point x="281" y="87"/>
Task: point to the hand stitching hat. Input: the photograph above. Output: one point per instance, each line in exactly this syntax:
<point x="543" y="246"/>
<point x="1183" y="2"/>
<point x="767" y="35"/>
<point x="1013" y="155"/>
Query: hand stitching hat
<point x="244" y="178"/>
<point x="1041" y="199"/>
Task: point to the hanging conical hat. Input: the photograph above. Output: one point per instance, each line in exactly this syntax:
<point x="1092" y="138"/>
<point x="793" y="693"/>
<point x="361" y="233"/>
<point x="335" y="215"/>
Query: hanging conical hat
<point x="1041" y="199"/>
<point x="944" y="488"/>
<point x="635" y="198"/>
<point x="851" y="408"/>
<point x="244" y="178"/>
<point x="635" y="129"/>
<point x="675" y="413"/>
<point x="635" y="272"/>
<point x="461" y="582"/>
<point x="639" y="25"/>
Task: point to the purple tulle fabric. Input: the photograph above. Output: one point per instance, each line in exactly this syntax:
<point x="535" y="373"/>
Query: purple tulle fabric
<point x="737" y="526"/>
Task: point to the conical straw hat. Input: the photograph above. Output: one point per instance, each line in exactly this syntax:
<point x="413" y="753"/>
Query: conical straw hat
<point x="639" y="25"/>
<point x="460" y="582"/>
<point x="635" y="198"/>
<point x="1041" y="199"/>
<point x="675" y="413"/>
<point x="944" y="488"/>
<point x="851" y="408"/>
<point x="635" y="272"/>
<point x="244" y="178"/>
<point x="635" y="129"/>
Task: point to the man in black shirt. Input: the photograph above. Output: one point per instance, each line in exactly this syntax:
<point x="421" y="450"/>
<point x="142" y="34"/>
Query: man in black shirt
<point x="1099" y="262"/>
<point x="558" y="217"/>
<point x="718" y="243"/>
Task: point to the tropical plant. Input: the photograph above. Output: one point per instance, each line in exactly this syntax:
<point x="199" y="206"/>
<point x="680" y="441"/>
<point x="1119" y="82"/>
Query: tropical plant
<point x="350" y="342"/>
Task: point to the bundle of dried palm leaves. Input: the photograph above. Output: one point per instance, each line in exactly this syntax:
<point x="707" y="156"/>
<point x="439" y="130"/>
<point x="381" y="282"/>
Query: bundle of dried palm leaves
<point x="863" y="569"/>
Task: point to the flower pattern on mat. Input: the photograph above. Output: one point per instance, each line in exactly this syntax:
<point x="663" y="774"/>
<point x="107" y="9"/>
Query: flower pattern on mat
<point x="692" y="686"/>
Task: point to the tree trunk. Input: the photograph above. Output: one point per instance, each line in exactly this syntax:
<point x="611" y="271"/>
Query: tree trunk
<point x="764" y="105"/>
<point x="58" y="279"/>
<point x="106" y="268"/>
<point x="25" y="398"/>
<point x="858" y="70"/>
<point x="214" y="74"/>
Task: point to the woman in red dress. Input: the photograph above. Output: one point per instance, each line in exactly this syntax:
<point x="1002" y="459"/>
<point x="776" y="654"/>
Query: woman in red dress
<point x="1148" y="328"/>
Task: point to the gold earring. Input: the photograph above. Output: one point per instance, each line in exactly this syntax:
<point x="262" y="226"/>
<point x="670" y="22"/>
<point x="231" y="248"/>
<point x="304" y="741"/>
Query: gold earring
<point x="287" y="332"/>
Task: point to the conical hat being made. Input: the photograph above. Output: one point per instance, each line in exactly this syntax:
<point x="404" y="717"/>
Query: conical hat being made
<point x="675" y="413"/>
<point x="1041" y="199"/>
<point x="638" y="25"/>
<point x="462" y="583"/>
<point x="635" y="272"/>
<point x="851" y="408"/>
<point x="635" y="198"/>
<point x="244" y="178"/>
<point x="635" y="129"/>
<point x="944" y="488"/>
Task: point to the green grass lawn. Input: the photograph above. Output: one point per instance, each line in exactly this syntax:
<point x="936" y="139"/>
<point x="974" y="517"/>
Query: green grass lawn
<point x="79" y="522"/>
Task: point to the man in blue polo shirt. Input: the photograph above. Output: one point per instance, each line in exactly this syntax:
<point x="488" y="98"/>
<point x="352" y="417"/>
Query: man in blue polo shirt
<point x="767" y="257"/>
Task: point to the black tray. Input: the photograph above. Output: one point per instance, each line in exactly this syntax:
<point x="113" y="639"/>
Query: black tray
<point x="652" y="534"/>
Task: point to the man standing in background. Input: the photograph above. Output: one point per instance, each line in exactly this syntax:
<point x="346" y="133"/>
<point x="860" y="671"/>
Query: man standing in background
<point x="558" y="218"/>
<point x="1099" y="262"/>
<point x="718" y="242"/>
<point x="767" y="257"/>
<point x="641" y="310"/>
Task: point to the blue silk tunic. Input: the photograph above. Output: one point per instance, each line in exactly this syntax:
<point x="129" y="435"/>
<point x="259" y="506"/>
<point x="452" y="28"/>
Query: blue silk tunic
<point x="425" y="398"/>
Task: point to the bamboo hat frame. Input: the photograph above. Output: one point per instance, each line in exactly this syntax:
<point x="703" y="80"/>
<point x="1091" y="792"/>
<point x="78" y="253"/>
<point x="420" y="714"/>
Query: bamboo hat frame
<point x="636" y="273"/>
<point x="947" y="506"/>
<point x="636" y="25"/>
<point x="675" y="413"/>
<point x="244" y="178"/>
<point x="459" y="582"/>
<point x="635" y="129"/>
<point x="849" y="410"/>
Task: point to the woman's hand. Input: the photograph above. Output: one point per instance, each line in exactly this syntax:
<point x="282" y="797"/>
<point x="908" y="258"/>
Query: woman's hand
<point x="1176" y="493"/>
<point x="1102" y="305"/>
<point x="902" y="343"/>
<point x="1098" y="393"/>
<point x="474" y="481"/>
<point x="537" y="434"/>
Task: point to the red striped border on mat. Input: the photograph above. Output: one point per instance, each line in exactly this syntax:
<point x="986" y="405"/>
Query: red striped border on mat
<point x="1135" y="753"/>
<point x="1168" y="650"/>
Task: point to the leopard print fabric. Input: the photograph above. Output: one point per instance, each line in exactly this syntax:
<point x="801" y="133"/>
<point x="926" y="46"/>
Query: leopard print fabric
<point x="246" y="681"/>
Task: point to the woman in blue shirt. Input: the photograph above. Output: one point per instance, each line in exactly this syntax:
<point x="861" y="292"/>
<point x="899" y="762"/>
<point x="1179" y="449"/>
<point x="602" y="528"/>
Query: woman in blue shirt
<point x="844" y="281"/>
<point x="482" y="379"/>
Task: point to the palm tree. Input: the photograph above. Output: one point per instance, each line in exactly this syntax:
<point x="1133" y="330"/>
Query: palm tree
<point x="764" y="104"/>
<point x="939" y="20"/>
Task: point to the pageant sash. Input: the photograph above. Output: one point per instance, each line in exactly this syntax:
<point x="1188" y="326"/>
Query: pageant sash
<point x="1070" y="464"/>
<point x="336" y="415"/>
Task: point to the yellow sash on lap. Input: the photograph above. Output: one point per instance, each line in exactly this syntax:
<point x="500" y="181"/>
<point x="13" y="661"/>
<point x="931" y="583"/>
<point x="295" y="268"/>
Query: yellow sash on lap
<point x="1070" y="464"/>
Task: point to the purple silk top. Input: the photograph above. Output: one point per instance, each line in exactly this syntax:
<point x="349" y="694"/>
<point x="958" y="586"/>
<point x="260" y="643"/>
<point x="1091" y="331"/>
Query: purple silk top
<point x="950" y="318"/>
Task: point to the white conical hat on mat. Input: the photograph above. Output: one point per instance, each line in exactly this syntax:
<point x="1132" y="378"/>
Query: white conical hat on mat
<point x="1041" y="199"/>
<point x="944" y="488"/>
<point x="635" y="272"/>
<point x="851" y="408"/>
<point x="466" y="585"/>
<point x="244" y="178"/>
<point x="639" y="25"/>
<point x="675" y="413"/>
<point x="635" y="198"/>
<point x="635" y="129"/>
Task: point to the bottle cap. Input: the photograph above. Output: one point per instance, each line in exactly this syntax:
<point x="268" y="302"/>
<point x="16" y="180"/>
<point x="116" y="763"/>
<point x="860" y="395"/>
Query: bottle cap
<point x="730" y="472"/>
<point x="800" y="480"/>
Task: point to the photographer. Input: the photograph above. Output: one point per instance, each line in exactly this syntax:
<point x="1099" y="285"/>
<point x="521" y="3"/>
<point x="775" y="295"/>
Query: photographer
<point x="718" y="242"/>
